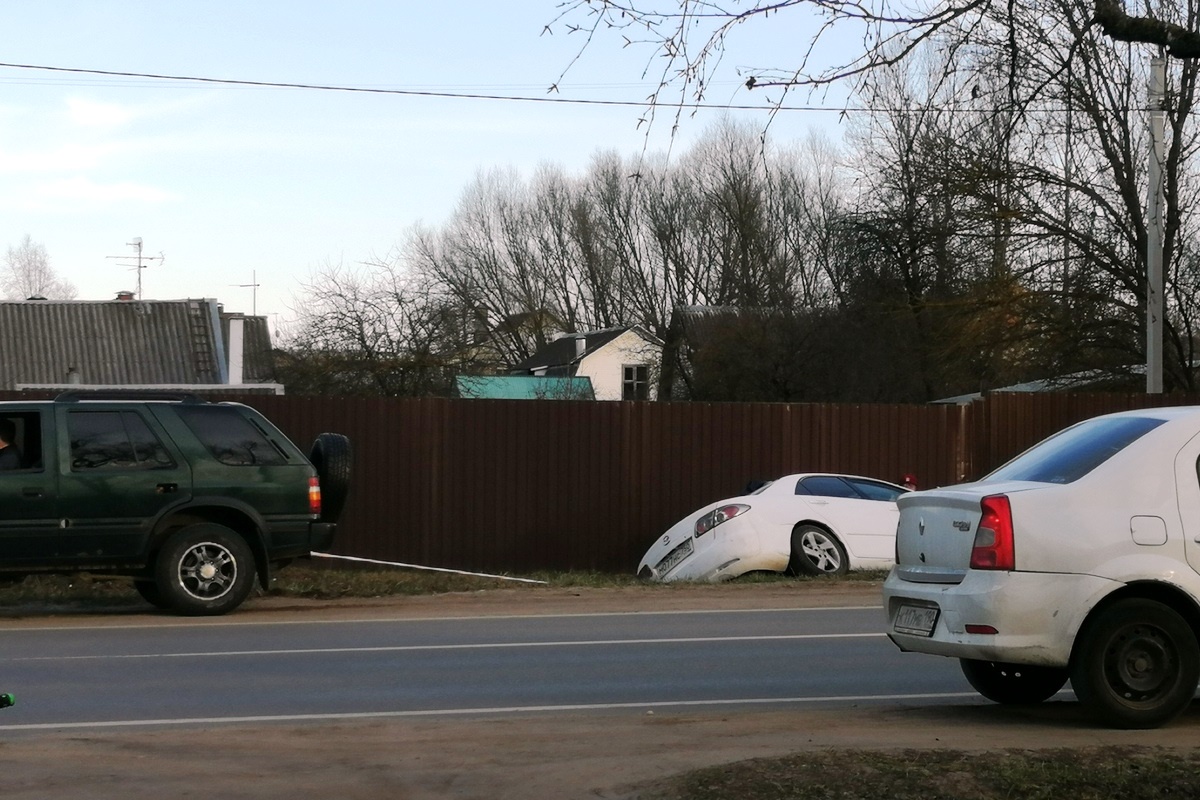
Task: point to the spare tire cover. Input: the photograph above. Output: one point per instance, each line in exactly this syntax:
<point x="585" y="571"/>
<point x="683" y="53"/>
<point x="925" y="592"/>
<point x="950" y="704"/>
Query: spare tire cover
<point x="333" y="457"/>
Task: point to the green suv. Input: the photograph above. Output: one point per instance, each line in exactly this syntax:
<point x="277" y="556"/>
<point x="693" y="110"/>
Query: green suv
<point x="190" y="499"/>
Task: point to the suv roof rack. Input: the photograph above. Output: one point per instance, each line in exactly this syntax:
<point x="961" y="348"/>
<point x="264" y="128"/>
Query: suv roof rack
<point x="75" y="395"/>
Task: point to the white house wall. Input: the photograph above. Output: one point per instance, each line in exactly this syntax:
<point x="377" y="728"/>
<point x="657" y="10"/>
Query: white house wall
<point x="605" y="365"/>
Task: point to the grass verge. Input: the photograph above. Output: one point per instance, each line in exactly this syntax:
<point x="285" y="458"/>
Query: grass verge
<point x="1100" y="773"/>
<point x="319" y="580"/>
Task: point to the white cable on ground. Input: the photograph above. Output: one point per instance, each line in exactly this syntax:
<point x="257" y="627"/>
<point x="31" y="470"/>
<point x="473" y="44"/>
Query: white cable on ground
<point x="431" y="569"/>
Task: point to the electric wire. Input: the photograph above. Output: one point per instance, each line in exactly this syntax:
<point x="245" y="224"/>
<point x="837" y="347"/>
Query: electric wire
<point x="649" y="102"/>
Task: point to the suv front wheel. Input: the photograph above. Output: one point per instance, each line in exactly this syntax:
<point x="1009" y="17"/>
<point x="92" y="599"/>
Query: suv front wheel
<point x="204" y="569"/>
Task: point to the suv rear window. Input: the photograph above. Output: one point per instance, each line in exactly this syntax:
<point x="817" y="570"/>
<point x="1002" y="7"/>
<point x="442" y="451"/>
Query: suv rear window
<point x="1068" y="456"/>
<point x="230" y="437"/>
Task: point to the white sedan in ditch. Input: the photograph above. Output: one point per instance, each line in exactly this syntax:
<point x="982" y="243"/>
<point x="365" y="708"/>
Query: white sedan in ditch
<point x="807" y="524"/>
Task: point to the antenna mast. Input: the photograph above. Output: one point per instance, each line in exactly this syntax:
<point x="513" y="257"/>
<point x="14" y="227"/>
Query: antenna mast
<point x="253" y="284"/>
<point x="140" y="265"/>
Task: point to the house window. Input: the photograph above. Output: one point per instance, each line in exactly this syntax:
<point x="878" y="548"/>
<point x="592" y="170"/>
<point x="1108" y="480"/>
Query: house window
<point x="635" y="384"/>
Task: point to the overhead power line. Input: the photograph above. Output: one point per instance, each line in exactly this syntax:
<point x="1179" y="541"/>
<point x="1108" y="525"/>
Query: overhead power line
<point x="415" y="92"/>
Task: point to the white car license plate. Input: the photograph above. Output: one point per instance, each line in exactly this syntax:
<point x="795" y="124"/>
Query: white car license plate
<point x="916" y="620"/>
<point x="676" y="556"/>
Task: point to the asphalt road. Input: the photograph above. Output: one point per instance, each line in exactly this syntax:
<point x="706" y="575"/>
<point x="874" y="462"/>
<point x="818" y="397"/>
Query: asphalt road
<point x="108" y="674"/>
<point x="497" y="695"/>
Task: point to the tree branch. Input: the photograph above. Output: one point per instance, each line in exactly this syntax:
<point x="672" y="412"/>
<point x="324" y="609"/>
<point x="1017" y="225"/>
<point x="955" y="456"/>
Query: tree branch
<point x="1116" y="24"/>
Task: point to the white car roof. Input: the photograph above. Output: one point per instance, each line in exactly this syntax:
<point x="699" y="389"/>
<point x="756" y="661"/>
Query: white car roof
<point x="1165" y="412"/>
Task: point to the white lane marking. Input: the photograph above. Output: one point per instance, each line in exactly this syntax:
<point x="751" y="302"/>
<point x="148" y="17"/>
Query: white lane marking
<point x="432" y="647"/>
<point x="203" y="622"/>
<point x="450" y="712"/>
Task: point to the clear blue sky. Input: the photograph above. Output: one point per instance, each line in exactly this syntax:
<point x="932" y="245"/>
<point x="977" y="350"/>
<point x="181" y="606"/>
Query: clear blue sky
<point x="236" y="183"/>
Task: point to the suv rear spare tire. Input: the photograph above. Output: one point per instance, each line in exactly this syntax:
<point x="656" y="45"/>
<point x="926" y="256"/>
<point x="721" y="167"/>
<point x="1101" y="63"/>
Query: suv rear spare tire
<point x="333" y="457"/>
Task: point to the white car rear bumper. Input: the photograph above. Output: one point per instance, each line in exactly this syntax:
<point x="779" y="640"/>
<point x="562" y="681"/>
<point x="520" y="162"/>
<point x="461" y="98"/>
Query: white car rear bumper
<point x="1035" y="615"/>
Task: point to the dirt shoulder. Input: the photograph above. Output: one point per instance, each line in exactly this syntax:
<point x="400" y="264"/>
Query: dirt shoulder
<point x="558" y="755"/>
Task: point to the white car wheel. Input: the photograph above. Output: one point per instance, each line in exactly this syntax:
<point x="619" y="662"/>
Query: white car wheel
<point x="1136" y="664"/>
<point x="815" y="551"/>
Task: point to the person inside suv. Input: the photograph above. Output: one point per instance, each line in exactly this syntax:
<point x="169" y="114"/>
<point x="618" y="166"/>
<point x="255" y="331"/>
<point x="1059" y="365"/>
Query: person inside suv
<point x="9" y="457"/>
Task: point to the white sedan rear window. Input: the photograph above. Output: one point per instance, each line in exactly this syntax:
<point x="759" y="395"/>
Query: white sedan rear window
<point x="1073" y="453"/>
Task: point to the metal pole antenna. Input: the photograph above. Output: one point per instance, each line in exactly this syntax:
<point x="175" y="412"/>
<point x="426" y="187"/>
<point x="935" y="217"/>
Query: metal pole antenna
<point x="137" y="243"/>
<point x="254" y="295"/>
<point x="1154" y="231"/>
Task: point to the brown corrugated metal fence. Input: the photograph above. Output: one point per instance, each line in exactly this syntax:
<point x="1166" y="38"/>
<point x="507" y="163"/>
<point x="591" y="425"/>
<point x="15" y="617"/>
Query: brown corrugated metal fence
<point x="520" y="486"/>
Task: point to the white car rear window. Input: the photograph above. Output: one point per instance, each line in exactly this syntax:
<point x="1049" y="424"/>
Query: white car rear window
<point x="1073" y="453"/>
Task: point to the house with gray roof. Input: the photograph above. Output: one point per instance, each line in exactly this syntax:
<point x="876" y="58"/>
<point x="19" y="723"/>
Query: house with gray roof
<point x="620" y="363"/>
<point x="190" y="345"/>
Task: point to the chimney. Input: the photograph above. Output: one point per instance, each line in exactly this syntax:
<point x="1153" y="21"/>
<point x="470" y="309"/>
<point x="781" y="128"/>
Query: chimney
<point x="580" y="346"/>
<point x="124" y="294"/>
<point x="73" y="376"/>
<point x="237" y="341"/>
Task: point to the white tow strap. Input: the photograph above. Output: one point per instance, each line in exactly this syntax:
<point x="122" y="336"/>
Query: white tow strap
<point x="431" y="569"/>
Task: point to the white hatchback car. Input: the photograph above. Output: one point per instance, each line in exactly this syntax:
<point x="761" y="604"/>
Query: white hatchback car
<point x="809" y="524"/>
<point x="1078" y="559"/>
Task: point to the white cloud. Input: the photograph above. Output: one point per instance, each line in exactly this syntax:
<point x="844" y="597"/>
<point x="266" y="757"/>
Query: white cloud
<point x="92" y="114"/>
<point x="70" y="157"/>
<point x="84" y="190"/>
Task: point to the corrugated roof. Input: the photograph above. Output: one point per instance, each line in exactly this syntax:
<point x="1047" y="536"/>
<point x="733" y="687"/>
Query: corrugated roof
<point x="111" y="342"/>
<point x="523" y="387"/>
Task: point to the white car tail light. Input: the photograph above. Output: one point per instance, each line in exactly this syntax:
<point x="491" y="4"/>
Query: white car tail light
<point x="718" y="515"/>
<point x="993" y="548"/>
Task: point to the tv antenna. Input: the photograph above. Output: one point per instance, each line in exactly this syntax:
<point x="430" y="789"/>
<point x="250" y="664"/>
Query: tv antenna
<point x="141" y="262"/>
<point x="253" y="284"/>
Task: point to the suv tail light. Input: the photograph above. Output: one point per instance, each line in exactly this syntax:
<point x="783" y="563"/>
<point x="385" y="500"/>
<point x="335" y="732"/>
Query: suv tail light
<point x="314" y="496"/>
<point x="993" y="548"/>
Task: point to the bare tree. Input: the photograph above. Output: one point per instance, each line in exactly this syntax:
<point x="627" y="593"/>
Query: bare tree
<point x="686" y="39"/>
<point x="372" y="330"/>
<point x="1046" y="147"/>
<point x="27" y="274"/>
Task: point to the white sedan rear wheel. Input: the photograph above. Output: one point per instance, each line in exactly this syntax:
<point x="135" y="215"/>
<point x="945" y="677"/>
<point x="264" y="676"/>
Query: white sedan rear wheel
<point x="815" y="551"/>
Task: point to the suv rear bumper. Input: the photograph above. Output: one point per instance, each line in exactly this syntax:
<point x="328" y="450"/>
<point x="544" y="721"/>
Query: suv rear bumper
<point x="320" y="535"/>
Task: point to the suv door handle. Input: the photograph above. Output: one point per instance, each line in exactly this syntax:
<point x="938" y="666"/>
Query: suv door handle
<point x="32" y="491"/>
<point x="166" y="488"/>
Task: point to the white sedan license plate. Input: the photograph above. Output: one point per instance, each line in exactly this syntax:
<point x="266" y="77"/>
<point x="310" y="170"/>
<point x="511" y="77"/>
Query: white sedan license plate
<point x="916" y="620"/>
<point x="676" y="556"/>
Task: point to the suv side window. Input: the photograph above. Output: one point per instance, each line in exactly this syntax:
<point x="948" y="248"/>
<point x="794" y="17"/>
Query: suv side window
<point x="114" y="440"/>
<point x="230" y="437"/>
<point x="26" y="431"/>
